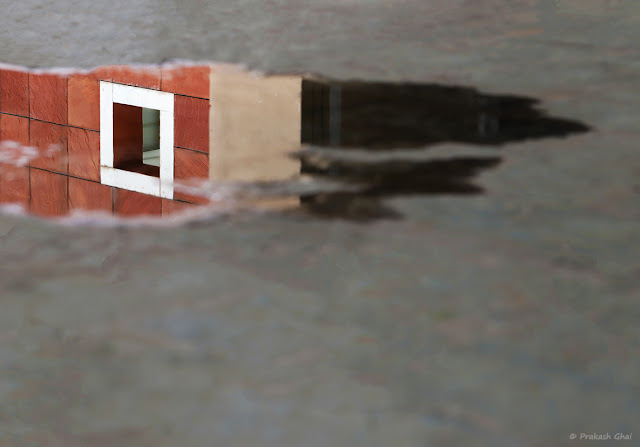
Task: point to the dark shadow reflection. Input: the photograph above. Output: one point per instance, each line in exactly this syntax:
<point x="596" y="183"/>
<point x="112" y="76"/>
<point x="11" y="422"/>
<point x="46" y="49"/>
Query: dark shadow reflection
<point x="382" y="118"/>
<point x="451" y="176"/>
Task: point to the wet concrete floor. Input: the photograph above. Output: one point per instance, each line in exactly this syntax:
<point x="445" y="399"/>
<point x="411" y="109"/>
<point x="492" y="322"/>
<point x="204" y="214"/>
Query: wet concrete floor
<point x="505" y="317"/>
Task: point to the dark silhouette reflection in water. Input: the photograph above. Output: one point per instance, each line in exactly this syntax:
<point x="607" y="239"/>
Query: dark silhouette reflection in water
<point x="124" y="140"/>
<point x="356" y="131"/>
<point x="383" y="116"/>
<point x="450" y="176"/>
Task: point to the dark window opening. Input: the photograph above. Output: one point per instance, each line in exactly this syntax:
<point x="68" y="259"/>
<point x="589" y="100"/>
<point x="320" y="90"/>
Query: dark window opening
<point x="136" y="139"/>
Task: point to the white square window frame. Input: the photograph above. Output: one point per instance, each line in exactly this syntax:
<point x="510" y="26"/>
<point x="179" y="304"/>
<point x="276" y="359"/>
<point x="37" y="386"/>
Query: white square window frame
<point x="111" y="93"/>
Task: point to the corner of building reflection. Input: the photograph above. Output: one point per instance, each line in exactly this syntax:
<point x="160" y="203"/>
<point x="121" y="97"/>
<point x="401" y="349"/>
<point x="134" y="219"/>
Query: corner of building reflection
<point x="366" y="140"/>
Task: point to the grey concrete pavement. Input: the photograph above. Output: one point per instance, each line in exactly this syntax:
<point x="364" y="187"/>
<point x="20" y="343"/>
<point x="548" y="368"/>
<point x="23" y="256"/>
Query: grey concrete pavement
<point x="504" y="319"/>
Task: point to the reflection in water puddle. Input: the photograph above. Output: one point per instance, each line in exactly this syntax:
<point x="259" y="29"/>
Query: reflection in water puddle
<point x="156" y="141"/>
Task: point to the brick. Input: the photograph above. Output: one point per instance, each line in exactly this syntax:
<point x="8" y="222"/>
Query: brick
<point x="191" y="121"/>
<point x="187" y="80"/>
<point x="84" y="154"/>
<point x="14" y="128"/>
<point x="48" y="97"/>
<point x="49" y="194"/>
<point x="14" y="184"/>
<point x="90" y="196"/>
<point x="190" y="164"/>
<point x="83" y="91"/>
<point x="170" y="207"/>
<point x="14" y="92"/>
<point x="51" y="142"/>
<point x="149" y="77"/>
<point x="14" y="180"/>
<point x="191" y="198"/>
<point x="131" y="203"/>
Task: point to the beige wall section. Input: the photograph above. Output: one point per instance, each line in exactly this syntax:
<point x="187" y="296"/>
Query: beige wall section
<point x="254" y="123"/>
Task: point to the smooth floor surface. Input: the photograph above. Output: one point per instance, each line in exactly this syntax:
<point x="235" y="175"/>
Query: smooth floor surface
<point x="509" y="318"/>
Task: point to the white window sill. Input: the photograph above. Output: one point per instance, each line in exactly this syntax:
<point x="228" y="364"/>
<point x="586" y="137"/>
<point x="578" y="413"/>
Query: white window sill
<point x="111" y="93"/>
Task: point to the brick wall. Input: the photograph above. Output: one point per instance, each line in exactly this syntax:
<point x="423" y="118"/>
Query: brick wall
<point x="60" y="116"/>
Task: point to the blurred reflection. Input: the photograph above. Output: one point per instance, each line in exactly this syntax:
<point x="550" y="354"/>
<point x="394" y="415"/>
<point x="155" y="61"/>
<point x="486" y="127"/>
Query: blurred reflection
<point x="358" y="130"/>
<point x="387" y="116"/>
<point x="334" y="148"/>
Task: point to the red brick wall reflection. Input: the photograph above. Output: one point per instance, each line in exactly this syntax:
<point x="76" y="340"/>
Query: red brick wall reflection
<point x="59" y="114"/>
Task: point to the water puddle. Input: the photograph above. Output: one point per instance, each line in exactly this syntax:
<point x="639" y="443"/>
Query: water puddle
<point x="127" y="142"/>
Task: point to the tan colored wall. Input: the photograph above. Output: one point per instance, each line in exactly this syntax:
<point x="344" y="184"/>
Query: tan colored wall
<point x="254" y="123"/>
